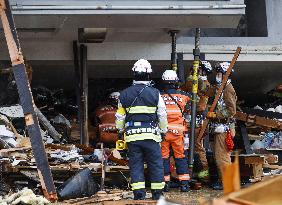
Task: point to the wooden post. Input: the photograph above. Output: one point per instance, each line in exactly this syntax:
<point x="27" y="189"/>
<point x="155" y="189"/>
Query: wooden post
<point x="26" y="99"/>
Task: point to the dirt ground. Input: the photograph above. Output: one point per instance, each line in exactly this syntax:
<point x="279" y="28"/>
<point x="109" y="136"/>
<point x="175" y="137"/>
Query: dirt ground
<point x="193" y="197"/>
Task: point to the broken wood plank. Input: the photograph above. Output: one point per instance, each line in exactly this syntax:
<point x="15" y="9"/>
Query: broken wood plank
<point x="253" y="119"/>
<point x="255" y="137"/>
<point x="271" y="159"/>
<point x="59" y="146"/>
<point x="231" y="176"/>
<point x="94" y="199"/>
<point x="7" y="152"/>
<point x="129" y="202"/>
<point x="26" y="99"/>
<point x="272" y="166"/>
<point x="256" y="159"/>
<point x="267" y="192"/>
<point x="47" y="125"/>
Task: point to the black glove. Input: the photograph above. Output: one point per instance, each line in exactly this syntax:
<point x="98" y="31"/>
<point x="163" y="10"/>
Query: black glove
<point x="163" y="136"/>
<point x="120" y="135"/>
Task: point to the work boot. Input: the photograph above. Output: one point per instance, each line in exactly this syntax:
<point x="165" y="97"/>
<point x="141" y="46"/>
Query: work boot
<point x="139" y="194"/>
<point x="184" y="186"/>
<point x="166" y="187"/>
<point x="217" y="186"/>
<point x="156" y="194"/>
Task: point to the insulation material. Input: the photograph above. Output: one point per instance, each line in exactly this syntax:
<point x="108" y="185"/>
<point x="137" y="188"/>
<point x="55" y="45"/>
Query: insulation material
<point x="15" y="111"/>
<point x="25" y="196"/>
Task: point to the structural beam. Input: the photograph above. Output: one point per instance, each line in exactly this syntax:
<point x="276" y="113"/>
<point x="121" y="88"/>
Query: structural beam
<point x="27" y="102"/>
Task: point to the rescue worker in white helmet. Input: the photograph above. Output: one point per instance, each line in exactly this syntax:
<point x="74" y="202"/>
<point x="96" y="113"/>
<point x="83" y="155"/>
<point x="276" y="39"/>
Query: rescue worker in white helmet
<point x="175" y="101"/>
<point x="141" y="115"/>
<point x="222" y="121"/>
<point x="105" y="116"/>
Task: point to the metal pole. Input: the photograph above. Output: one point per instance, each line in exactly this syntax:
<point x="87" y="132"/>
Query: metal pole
<point x="173" y="49"/>
<point x="27" y="103"/>
<point x="84" y="138"/>
<point x="196" y="63"/>
<point x="77" y="77"/>
<point x="180" y="68"/>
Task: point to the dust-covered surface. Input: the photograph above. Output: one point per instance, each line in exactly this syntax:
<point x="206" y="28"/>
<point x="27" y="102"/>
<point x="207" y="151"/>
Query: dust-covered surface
<point x="193" y="197"/>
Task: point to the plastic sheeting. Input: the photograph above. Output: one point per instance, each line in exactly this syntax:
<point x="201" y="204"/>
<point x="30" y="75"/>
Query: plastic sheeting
<point x="272" y="140"/>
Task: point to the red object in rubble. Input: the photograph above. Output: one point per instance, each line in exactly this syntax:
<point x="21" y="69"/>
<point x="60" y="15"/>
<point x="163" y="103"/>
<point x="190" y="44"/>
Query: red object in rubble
<point x="229" y="141"/>
<point x="171" y="167"/>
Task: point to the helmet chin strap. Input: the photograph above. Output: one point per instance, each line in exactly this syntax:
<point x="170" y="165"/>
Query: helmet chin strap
<point x="218" y="80"/>
<point x="203" y="77"/>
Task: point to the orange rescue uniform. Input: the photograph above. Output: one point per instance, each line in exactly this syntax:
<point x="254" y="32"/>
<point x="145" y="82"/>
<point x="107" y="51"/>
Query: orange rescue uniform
<point x="107" y="127"/>
<point x="175" y="102"/>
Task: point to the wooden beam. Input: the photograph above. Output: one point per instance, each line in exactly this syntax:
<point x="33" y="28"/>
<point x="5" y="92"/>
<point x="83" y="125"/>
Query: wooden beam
<point x="27" y="102"/>
<point x="257" y="120"/>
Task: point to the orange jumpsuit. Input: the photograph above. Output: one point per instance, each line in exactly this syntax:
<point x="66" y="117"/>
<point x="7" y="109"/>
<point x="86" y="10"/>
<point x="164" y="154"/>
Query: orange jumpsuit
<point x="107" y="126"/>
<point x="175" y="102"/>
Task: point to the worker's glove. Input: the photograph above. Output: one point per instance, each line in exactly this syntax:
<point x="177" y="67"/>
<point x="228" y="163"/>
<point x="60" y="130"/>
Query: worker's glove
<point x="163" y="136"/>
<point x="211" y="115"/>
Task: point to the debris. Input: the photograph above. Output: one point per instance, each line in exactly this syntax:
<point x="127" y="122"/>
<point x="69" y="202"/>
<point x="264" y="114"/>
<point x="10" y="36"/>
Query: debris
<point x="272" y="140"/>
<point x="163" y="201"/>
<point x="25" y="196"/>
<point x="270" y="109"/>
<point x="231" y="176"/>
<point x="278" y="109"/>
<point x="80" y="185"/>
<point x="60" y="119"/>
<point x="66" y="156"/>
<point x="257" y="145"/>
<point x="264" y="193"/>
<point x="257" y="107"/>
<point x="257" y="120"/>
<point x="46" y="124"/>
<point x="15" y="111"/>
<point x="7" y="137"/>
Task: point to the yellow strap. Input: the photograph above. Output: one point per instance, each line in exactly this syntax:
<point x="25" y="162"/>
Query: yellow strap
<point x="138" y="185"/>
<point x="141" y="109"/>
<point x="159" y="185"/>
<point x="121" y="111"/>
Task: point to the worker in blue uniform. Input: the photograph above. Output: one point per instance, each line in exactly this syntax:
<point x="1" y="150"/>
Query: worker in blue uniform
<point x="142" y="117"/>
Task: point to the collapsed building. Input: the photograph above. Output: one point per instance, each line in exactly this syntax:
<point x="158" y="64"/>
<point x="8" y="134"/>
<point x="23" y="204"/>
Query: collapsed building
<point x="93" y="45"/>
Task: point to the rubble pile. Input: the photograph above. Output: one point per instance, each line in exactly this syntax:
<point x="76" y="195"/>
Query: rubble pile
<point x="25" y="196"/>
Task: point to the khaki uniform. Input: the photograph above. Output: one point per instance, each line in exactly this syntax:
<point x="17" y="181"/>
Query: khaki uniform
<point x="225" y="110"/>
<point x="202" y="101"/>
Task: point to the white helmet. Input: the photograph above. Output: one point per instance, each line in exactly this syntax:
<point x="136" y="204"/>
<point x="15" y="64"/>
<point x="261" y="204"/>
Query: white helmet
<point x="114" y="95"/>
<point x="142" y="66"/>
<point x="222" y="67"/>
<point x="170" y="75"/>
<point x="206" y="66"/>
